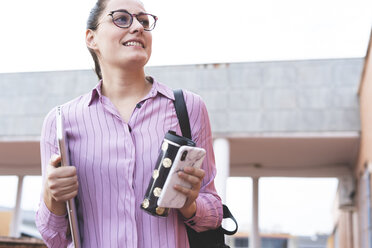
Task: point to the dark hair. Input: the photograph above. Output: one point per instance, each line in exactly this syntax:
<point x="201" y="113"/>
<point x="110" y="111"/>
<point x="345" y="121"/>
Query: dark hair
<point x="92" y="24"/>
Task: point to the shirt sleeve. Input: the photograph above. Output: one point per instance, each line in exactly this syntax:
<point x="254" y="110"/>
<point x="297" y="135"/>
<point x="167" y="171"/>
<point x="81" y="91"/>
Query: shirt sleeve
<point x="53" y="228"/>
<point x="209" y="210"/>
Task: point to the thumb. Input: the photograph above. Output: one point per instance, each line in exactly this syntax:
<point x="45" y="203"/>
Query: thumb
<point x="55" y="160"/>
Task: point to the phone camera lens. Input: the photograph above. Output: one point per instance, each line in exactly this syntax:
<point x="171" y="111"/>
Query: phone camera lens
<point x="184" y="154"/>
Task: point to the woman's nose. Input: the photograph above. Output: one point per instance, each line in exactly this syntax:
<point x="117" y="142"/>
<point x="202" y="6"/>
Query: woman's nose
<point x="136" y="26"/>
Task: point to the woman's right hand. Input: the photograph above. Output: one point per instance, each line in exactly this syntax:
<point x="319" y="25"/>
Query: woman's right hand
<point x="61" y="185"/>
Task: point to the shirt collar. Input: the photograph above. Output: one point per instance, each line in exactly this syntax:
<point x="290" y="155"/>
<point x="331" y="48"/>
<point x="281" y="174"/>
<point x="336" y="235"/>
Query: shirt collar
<point x="156" y="88"/>
<point x="160" y="88"/>
<point x="96" y="93"/>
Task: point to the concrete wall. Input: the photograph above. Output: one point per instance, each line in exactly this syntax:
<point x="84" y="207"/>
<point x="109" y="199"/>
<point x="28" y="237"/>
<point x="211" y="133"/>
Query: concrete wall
<point x="289" y="96"/>
<point x="365" y="152"/>
<point x="25" y="98"/>
<point x="294" y="96"/>
<point x="345" y="232"/>
<point x="365" y="96"/>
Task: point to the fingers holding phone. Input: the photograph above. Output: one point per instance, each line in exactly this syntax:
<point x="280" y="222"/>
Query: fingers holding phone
<point x="194" y="176"/>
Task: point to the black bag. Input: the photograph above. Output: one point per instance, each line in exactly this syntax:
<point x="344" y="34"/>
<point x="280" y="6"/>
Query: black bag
<point x="211" y="238"/>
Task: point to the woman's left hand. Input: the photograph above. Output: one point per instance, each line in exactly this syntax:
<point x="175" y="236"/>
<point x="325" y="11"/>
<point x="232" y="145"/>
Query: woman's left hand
<point x="195" y="177"/>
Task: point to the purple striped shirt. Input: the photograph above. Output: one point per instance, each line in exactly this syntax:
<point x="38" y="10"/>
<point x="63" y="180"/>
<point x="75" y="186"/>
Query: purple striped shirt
<point x="115" y="161"/>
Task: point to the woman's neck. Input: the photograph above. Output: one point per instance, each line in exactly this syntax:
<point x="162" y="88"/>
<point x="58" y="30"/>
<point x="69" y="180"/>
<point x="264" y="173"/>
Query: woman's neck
<point x="123" y="84"/>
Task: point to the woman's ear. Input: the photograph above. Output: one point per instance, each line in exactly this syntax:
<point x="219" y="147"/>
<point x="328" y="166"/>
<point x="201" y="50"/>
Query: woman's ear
<point x="90" y="39"/>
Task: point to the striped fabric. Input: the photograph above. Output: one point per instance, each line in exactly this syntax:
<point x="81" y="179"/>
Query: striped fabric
<point x="114" y="163"/>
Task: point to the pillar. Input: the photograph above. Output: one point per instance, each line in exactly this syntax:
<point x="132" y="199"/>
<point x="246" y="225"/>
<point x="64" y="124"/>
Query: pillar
<point x="221" y="148"/>
<point x="254" y="237"/>
<point x="16" y="219"/>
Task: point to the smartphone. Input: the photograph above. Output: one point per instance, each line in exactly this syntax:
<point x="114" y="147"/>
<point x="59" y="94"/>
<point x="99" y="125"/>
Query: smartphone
<point x="65" y="161"/>
<point x="186" y="156"/>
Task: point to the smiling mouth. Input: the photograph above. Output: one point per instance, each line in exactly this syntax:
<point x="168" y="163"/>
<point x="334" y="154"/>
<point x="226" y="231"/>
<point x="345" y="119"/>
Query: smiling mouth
<point x="134" y="43"/>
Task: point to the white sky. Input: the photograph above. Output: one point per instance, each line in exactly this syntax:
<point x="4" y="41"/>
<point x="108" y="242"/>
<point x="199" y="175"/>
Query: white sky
<point x="42" y="35"/>
<point x="299" y="206"/>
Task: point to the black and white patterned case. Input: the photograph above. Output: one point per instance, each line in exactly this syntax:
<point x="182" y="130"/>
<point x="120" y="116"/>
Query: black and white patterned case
<point x="186" y="156"/>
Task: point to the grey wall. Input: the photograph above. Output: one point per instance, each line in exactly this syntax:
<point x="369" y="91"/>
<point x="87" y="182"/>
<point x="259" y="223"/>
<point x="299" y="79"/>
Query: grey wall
<point x="290" y="96"/>
<point x="306" y="96"/>
<point x="25" y="98"/>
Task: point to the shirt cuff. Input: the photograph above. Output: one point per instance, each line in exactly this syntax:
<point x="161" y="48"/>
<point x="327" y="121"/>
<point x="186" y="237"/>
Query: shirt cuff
<point x="57" y="223"/>
<point x="198" y="214"/>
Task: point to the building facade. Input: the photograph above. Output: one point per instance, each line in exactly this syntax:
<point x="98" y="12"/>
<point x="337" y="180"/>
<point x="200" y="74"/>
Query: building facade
<point x="269" y="119"/>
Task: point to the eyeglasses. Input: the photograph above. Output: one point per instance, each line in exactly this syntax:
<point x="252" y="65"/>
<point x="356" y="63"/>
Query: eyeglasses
<point x="124" y="19"/>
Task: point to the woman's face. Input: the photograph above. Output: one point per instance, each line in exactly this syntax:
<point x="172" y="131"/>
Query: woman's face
<point x="122" y="47"/>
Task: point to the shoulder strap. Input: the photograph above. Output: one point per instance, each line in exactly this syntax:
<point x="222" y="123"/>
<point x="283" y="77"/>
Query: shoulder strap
<point x="182" y="114"/>
<point x="228" y="214"/>
<point x="183" y="119"/>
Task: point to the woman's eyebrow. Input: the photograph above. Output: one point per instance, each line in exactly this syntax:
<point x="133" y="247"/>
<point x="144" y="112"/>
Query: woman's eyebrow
<point x="120" y="10"/>
<point x="141" y="12"/>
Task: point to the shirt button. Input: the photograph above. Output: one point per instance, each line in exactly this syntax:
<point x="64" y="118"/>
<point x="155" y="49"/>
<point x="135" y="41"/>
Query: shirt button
<point x="138" y="105"/>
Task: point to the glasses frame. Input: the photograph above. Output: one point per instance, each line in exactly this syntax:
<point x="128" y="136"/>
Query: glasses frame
<point x="132" y="18"/>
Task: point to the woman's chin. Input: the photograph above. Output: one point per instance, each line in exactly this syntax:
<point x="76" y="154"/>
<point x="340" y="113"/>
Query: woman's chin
<point x="135" y="62"/>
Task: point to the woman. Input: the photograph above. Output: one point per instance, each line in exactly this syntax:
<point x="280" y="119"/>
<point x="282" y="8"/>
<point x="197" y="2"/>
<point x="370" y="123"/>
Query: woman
<point x="114" y="133"/>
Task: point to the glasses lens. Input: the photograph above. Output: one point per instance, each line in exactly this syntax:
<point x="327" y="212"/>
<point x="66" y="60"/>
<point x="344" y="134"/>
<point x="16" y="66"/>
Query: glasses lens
<point x="122" y="19"/>
<point x="147" y="21"/>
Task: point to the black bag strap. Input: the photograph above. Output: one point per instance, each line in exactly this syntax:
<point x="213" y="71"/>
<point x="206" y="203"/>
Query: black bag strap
<point x="228" y="214"/>
<point x="182" y="114"/>
<point x="183" y="119"/>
